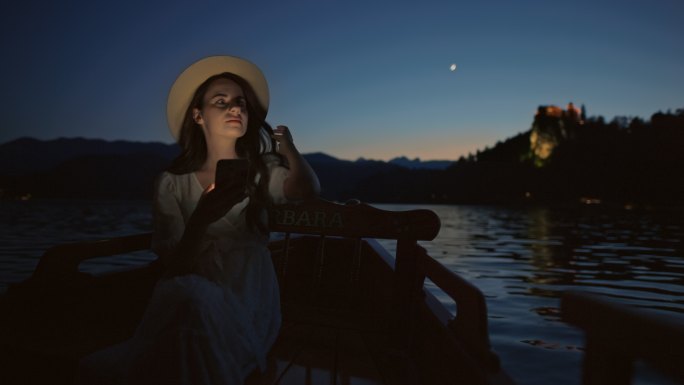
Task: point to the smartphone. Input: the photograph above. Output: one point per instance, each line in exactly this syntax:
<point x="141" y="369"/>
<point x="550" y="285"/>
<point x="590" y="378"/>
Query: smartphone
<point x="232" y="173"/>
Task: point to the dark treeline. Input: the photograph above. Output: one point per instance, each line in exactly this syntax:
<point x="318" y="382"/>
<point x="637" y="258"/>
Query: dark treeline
<point x="622" y="161"/>
<point x="625" y="161"/>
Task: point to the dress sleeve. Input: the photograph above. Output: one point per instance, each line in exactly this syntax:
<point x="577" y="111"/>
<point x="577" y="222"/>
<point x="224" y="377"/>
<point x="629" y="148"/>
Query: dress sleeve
<point x="277" y="173"/>
<point x="167" y="222"/>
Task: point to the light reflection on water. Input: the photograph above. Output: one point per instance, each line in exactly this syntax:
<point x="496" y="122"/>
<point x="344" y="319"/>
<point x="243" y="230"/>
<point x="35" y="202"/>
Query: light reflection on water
<point x="521" y="258"/>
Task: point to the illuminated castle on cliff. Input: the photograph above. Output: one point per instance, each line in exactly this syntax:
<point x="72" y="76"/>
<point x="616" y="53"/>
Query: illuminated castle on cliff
<point x="571" y="113"/>
<point x="551" y="126"/>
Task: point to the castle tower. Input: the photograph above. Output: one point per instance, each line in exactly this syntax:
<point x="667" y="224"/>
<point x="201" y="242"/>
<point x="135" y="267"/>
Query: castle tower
<point x="572" y="112"/>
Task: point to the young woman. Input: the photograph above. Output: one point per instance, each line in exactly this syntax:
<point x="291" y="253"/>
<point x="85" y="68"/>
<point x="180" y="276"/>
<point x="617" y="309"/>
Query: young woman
<point x="215" y="314"/>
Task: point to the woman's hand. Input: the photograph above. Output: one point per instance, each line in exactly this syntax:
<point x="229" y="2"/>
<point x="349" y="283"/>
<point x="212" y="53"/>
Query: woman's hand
<point x="302" y="182"/>
<point x="283" y="138"/>
<point x="215" y="203"/>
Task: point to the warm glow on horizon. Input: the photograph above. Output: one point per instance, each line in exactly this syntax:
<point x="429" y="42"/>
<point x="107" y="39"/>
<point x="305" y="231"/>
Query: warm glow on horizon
<point x="434" y="148"/>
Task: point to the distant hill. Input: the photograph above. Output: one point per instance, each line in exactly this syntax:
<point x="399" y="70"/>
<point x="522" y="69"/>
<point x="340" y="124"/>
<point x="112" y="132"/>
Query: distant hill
<point x="96" y="169"/>
<point x="417" y="164"/>
<point x="28" y="155"/>
<point x="341" y="179"/>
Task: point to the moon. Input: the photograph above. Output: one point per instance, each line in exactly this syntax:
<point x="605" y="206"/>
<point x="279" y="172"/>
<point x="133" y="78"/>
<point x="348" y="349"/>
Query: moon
<point x="453" y="67"/>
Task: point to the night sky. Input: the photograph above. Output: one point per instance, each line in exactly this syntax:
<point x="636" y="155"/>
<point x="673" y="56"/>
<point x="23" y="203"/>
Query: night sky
<point x="350" y="78"/>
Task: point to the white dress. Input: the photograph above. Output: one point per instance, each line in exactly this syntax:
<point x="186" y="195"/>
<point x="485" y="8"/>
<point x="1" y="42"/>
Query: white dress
<point x="197" y="331"/>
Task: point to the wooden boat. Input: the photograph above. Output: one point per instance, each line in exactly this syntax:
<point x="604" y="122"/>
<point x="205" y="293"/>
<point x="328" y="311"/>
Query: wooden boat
<point x="617" y="336"/>
<point x="352" y="312"/>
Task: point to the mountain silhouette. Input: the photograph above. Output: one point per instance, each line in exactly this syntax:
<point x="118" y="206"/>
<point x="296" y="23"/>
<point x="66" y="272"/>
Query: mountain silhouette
<point x="29" y="155"/>
<point x="81" y="168"/>
<point x="417" y="164"/>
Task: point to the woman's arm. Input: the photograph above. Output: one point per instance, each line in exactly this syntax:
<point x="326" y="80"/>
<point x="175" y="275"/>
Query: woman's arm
<point x="302" y="182"/>
<point x="184" y="258"/>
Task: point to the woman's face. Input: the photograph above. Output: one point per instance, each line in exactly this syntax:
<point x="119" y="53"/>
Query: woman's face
<point x="224" y="110"/>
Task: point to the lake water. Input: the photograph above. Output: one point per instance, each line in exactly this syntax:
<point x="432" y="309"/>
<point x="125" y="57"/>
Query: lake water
<point x="521" y="258"/>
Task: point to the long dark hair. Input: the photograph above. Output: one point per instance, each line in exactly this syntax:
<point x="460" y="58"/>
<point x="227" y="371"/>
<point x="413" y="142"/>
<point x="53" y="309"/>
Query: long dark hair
<point x="253" y="145"/>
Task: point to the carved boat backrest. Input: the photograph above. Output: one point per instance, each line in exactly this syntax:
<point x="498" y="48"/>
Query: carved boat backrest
<point x="318" y="217"/>
<point x="353" y="220"/>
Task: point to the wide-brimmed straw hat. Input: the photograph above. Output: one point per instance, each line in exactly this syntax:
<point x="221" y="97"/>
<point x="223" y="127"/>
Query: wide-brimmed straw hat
<point x="187" y="82"/>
